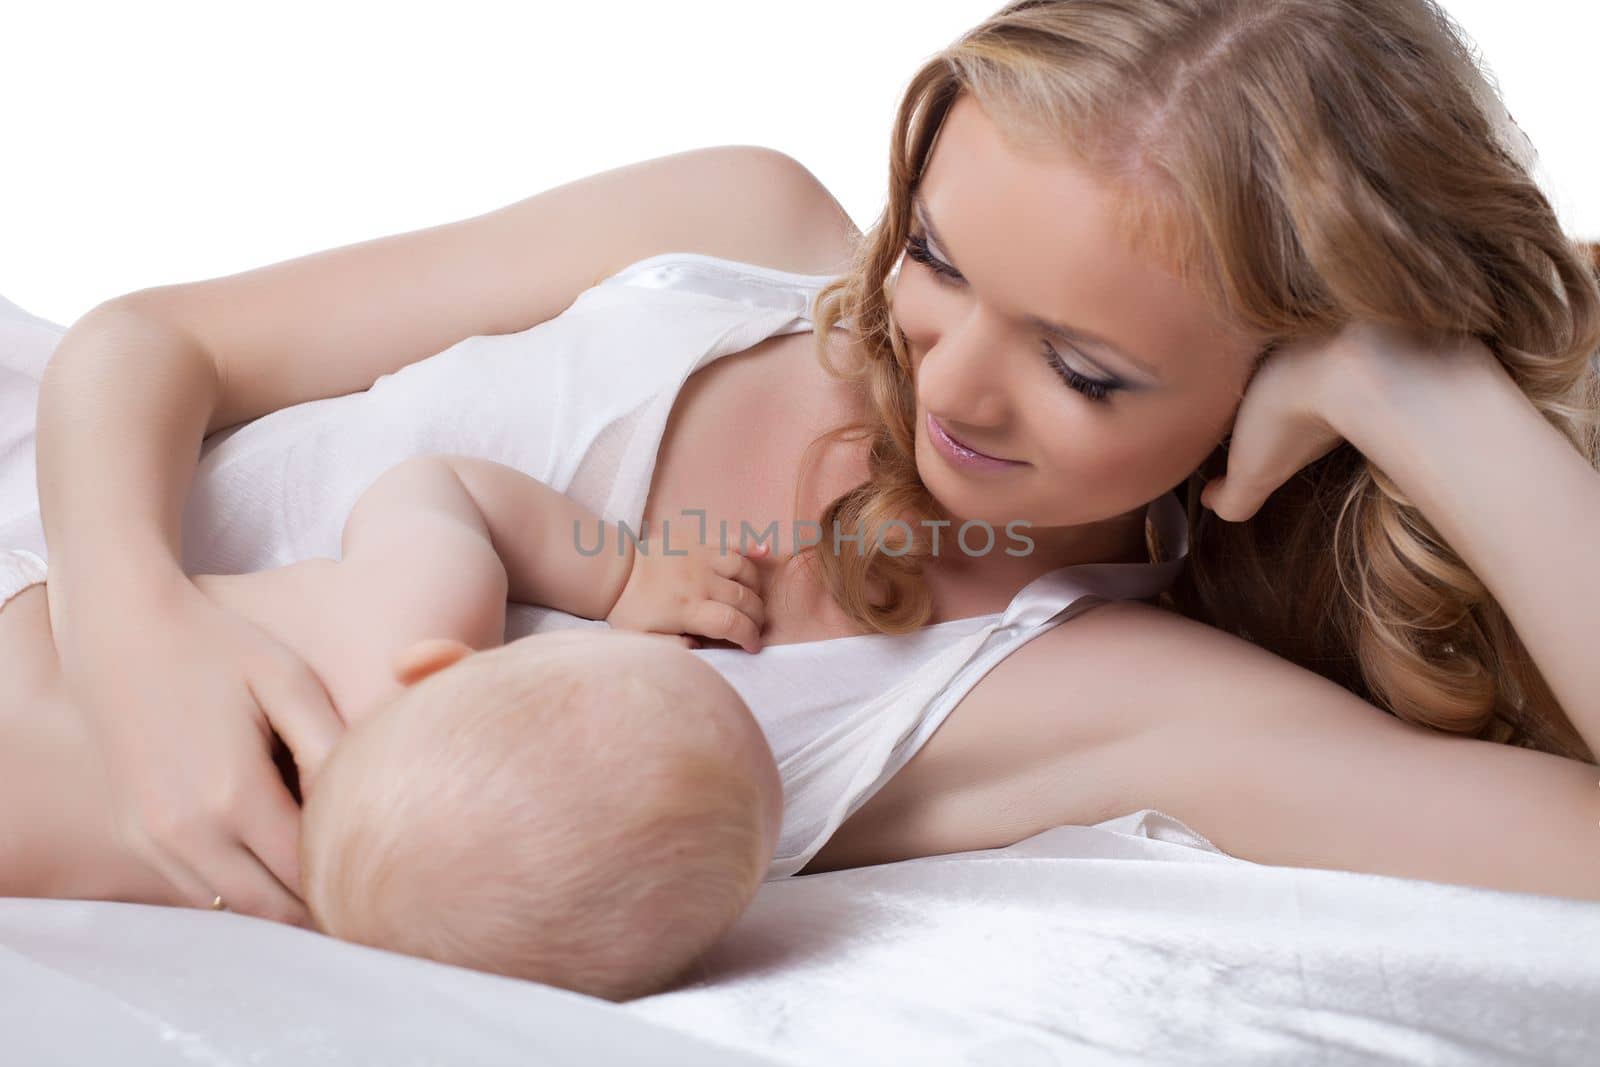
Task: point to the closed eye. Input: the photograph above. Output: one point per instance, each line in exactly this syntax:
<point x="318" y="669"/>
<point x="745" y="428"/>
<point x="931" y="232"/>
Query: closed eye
<point x="1093" y="388"/>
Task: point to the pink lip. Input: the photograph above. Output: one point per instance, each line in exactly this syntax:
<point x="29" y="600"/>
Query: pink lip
<point x="963" y="454"/>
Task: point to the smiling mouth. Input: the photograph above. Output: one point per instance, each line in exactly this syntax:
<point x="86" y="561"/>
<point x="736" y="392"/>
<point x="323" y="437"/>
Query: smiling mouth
<point x="962" y="444"/>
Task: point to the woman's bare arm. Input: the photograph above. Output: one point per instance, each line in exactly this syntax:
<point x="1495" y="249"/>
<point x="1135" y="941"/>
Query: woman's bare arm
<point x="155" y="668"/>
<point x="1507" y="491"/>
<point x="123" y="406"/>
<point x="138" y="382"/>
<point x="1277" y="764"/>
<point x="333" y="322"/>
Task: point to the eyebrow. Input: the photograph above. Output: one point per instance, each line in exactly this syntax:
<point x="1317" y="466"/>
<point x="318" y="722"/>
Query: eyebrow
<point x="1065" y="333"/>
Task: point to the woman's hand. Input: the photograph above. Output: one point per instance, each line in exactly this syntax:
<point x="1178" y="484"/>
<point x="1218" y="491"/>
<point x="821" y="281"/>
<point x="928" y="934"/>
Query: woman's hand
<point x="701" y="591"/>
<point x="1305" y="390"/>
<point x="183" y="698"/>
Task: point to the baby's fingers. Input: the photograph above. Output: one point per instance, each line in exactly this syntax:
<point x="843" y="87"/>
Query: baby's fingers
<point x="738" y="565"/>
<point x="741" y="598"/>
<point x="722" y="621"/>
<point x="678" y="639"/>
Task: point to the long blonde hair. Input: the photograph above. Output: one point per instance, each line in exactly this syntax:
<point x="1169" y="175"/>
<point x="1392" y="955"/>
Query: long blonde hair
<point x="1302" y="163"/>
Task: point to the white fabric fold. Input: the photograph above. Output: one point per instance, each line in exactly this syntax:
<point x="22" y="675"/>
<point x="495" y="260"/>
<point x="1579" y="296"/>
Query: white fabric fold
<point x="843" y="765"/>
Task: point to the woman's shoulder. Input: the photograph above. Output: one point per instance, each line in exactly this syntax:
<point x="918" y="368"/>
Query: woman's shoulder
<point x="812" y="234"/>
<point x="1132" y="706"/>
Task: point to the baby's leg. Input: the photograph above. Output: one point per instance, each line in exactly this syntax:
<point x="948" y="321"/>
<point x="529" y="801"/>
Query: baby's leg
<point x="417" y="563"/>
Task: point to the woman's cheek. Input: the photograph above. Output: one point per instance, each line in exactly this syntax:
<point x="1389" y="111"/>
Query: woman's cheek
<point x="1168" y="461"/>
<point x="1088" y="455"/>
<point x="1118" y="468"/>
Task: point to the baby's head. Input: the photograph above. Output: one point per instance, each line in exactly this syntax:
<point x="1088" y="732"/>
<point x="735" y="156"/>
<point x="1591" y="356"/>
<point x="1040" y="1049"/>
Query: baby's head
<point x="590" y="809"/>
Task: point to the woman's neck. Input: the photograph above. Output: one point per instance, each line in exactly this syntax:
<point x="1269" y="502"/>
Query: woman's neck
<point x="964" y="585"/>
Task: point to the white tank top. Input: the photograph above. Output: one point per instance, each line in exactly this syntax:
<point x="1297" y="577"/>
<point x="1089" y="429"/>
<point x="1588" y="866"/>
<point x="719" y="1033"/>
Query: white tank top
<point x="580" y="402"/>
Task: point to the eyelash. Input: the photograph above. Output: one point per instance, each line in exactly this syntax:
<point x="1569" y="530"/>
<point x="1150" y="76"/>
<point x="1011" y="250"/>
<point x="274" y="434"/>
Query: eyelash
<point x="1095" y="390"/>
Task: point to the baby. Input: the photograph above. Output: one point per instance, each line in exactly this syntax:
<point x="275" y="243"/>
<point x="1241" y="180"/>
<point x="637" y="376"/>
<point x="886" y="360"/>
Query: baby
<point x="591" y="809"/>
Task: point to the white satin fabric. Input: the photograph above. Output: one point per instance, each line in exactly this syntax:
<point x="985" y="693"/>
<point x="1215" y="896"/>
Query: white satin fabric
<point x="26" y="345"/>
<point x="1131" y="942"/>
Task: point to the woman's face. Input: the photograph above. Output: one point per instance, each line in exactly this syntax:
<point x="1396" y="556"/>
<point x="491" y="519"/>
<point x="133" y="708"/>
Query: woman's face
<point x="1032" y="236"/>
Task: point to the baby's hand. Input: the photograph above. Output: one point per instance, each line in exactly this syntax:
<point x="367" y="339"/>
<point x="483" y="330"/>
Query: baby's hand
<point x="703" y="591"/>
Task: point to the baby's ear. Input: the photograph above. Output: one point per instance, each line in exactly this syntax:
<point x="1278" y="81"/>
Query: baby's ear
<point x="421" y="658"/>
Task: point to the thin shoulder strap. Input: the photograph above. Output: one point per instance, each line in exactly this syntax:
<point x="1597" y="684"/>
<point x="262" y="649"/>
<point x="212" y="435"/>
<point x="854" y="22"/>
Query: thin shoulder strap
<point x="729" y="279"/>
<point x="1049" y="594"/>
<point x="852" y="760"/>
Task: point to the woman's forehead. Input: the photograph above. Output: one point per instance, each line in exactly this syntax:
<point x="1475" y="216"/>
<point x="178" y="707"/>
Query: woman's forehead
<point x="1044" y="236"/>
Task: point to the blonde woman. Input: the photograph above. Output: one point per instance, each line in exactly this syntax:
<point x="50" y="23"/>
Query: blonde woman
<point x="1282" y="256"/>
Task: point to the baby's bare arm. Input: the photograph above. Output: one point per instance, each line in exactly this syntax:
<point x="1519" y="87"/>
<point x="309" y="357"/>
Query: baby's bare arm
<point x="535" y="530"/>
<point x="417" y="563"/>
<point x="434" y="547"/>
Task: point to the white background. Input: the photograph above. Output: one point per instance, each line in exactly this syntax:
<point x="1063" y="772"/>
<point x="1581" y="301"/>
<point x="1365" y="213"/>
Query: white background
<point x="158" y="142"/>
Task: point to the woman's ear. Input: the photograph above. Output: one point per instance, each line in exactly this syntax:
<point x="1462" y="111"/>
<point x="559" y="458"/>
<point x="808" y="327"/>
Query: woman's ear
<point x="421" y="658"/>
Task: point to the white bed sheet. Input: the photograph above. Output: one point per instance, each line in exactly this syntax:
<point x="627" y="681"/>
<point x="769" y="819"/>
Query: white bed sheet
<point x="1129" y="942"/>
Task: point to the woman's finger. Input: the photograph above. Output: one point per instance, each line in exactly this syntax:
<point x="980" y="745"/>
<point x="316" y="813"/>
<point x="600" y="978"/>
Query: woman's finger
<point x="1261" y="462"/>
<point x="270" y="829"/>
<point x="299" y="710"/>
<point x="237" y="875"/>
<point x="220" y="866"/>
<point x="188" y="886"/>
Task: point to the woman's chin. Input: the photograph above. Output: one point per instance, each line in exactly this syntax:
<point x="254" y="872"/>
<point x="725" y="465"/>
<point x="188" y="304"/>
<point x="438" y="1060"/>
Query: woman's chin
<point x="960" y="503"/>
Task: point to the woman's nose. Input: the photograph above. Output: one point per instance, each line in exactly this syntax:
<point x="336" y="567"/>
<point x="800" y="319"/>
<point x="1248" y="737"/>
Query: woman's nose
<point x="964" y="376"/>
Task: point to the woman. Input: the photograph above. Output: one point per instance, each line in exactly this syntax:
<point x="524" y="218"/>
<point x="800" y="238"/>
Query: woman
<point x="1315" y="268"/>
